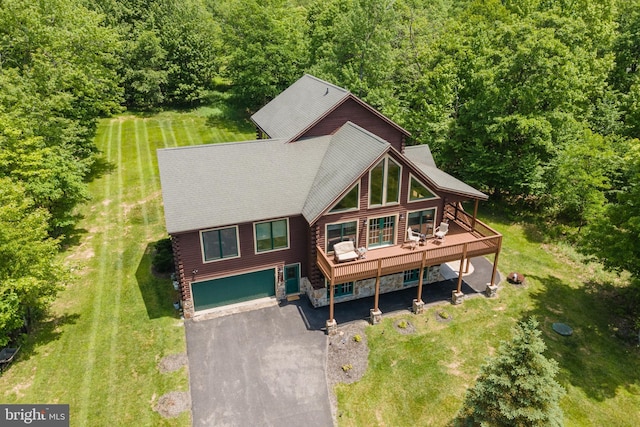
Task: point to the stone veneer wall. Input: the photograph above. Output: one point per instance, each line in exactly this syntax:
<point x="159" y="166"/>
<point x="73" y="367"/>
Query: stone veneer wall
<point x="367" y="287"/>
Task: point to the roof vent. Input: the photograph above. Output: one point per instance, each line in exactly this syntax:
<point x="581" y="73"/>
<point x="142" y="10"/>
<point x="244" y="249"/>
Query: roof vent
<point x="327" y="92"/>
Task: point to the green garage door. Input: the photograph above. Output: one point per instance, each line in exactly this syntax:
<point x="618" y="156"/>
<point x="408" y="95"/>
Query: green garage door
<point x="230" y="290"/>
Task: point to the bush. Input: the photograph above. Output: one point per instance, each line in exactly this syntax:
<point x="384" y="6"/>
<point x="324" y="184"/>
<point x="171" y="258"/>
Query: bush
<point x="163" y="257"/>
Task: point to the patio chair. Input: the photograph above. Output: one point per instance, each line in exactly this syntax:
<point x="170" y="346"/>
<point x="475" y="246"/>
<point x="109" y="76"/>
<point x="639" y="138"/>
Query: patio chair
<point x="441" y="230"/>
<point x="345" y="251"/>
<point x="412" y="238"/>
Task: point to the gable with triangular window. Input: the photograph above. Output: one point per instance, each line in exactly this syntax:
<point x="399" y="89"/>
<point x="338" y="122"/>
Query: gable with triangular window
<point x="418" y="191"/>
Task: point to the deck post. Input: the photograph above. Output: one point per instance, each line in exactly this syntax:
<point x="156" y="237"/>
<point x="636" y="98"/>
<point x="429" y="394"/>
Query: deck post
<point x="467" y="265"/>
<point x="461" y="272"/>
<point x="475" y="215"/>
<point x="376" y="314"/>
<point x="332" y="326"/>
<point x="495" y="263"/>
<point x="418" y="304"/>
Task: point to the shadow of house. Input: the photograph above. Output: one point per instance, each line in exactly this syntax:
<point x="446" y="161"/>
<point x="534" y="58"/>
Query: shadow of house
<point x="592" y="358"/>
<point x="157" y="292"/>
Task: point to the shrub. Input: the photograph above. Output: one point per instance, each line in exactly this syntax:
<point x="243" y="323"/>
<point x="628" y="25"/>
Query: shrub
<point x="163" y="257"/>
<point x="347" y="368"/>
<point x="357" y="338"/>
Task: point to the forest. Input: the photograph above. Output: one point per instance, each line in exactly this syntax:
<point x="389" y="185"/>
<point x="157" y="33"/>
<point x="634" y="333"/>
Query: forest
<point x="535" y="102"/>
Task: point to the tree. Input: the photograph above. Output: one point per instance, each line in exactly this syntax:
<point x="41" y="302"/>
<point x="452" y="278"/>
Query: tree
<point x="614" y="236"/>
<point x="30" y="276"/>
<point x="352" y="44"/>
<point x="264" y="45"/>
<point x="517" y="386"/>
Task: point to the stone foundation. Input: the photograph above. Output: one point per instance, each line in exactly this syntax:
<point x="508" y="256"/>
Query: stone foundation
<point x="367" y="287"/>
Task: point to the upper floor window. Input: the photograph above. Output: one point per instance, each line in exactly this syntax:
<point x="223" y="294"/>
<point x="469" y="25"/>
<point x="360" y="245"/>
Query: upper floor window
<point x="337" y="233"/>
<point x="220" y="243"/>
<point x="349" y="201"/>
<point x="419" y="191"/>
<point x="384" y="183"/>
<point x="272" y="235"/>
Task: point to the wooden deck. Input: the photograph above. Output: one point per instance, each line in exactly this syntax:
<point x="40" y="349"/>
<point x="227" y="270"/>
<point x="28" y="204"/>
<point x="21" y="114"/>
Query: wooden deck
<point x="466" y="238"/>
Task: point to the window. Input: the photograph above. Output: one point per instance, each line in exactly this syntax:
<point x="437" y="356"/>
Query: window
<point x="337" y="233"/>
<point x="349" y="201"/>
<point x="219" y="243"/>
<point x="419" y="191"/>
<point x="411" y="276"/>
<point x="272" y="235"/>
<point x="384" y="183"/>
<point x="422" y="221"/>
<point x="381" y="231"/>
<point x="340" y="290"/>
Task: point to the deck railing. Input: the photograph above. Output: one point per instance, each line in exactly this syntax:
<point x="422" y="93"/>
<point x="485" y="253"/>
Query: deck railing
<point x="381" y="266"/>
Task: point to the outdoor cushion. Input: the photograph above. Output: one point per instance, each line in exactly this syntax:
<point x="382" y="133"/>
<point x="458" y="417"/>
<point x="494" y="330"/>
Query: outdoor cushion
<point x="345" y="251"/>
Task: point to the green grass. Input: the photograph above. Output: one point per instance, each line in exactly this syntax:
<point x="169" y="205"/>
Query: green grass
<point x="421" y="379"/>
<point x="100" y="348"/>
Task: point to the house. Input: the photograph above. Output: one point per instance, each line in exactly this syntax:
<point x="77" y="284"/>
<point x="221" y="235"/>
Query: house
<point x="260" y="218"/>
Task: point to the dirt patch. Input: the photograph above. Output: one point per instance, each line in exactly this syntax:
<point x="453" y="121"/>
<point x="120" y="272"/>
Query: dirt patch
<point x="172" y="362"/>
<point x="347" y="357"/>
<point x="173" y="404"/>
<point x="404" y="327"/>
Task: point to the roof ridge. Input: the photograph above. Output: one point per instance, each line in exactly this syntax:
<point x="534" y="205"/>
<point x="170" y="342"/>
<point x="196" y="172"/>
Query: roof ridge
<point x="346" y="91"/>
<point x="219" y="144"/>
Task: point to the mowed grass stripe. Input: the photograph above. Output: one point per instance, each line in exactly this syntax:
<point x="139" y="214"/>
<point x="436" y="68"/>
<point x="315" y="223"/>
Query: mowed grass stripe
<point x="152" y="167"/>
<point x="118" y="267"/>
<point x="97" y="291"/>
<point x="142" y="178"/>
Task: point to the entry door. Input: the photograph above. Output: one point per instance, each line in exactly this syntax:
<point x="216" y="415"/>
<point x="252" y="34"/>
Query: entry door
<point x="292" y="278"/>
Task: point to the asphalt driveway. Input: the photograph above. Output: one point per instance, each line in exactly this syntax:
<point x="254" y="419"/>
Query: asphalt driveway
<point x="258" y="368"/>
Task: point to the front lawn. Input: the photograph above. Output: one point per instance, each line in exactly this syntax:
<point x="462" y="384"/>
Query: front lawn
<point x="420" y="379"/>
<point x="100" y="349"/>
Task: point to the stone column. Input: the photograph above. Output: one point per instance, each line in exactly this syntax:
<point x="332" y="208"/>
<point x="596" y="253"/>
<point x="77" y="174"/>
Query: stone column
<point x="332" y="327"/>
<point x="418" y="306"/>
<point x="457" y="297"/>
<point x="491" y="291"/>
<point x="375" y="316"/>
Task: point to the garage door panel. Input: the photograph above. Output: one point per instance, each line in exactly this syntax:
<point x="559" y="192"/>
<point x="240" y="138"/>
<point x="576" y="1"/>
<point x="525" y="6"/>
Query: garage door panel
<point x="233" y="289"/>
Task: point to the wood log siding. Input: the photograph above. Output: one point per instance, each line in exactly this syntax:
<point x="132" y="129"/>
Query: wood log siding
<point x="363" y="215"/>
<point x="353" y="111"/>
<point x="191" y="253"/>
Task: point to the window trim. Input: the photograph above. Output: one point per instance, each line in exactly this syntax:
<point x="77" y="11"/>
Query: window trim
<point x="435" y="215"/>
<point x="357" y="208"/>
<point x="255" y="236"/>
<point x="201" y="232"/>
<point x="385" y="182"/>
<point x="341" y="295"/>
<point x="412" y="176"/>
<point x="395" y="231"/>
<point x="326" y="233"/>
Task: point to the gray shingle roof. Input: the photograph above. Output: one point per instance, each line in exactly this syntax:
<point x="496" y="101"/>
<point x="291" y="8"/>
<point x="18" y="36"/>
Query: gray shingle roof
<point x="352" y="151"/>
<point x="220" y="184"/>
<point x="298" y="107"/>
<point x="420" y="156"/>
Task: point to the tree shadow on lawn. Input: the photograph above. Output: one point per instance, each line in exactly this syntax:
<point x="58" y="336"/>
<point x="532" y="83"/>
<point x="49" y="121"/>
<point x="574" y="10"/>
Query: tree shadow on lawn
<point x="592" y="358"/>
<point x="157" y="291"/>
<point x="45" y="331"/>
